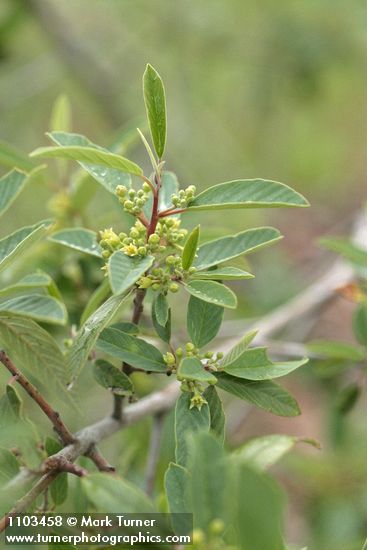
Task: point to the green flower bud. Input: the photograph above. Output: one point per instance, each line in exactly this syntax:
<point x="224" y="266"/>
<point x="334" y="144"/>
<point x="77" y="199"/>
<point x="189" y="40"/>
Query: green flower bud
<point x="140" y="193"/>
<point x="192" y="270"/>
<point x="220" y="355"/>
<point x="140" y="227"/>
<point x="128" y="205"/>
<point x="142" y="250"/>
<point x="209" y="354"/>
<point x="106" y="254"/>
<point x="146" y="187"/>
<point x="173" y="287"/>
<point x="190" y="346"/>
<point x="153" y="239"/>
<point x="170" y="260"/>
<point x="169" y="358"/>
<point x="179" y="352"/>
<point x="156" y="286"/>
<point x="131" y="193"/>
<point x="145" y="282"/>
<point x="121" y="191"/>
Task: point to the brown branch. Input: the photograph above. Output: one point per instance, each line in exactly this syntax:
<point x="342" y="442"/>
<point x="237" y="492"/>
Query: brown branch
<point x="25" y="502"/>
<point x="99" y="460"/>
<point x="65" y="435"/>
<point x="118" y="400"/>
<point x="85" y="439"/>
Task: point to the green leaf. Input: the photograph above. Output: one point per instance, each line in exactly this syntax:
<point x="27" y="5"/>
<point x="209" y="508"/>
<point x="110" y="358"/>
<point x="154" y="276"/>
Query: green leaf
<point x="163" y="332"/>
<point x="256" y="193"/>
<point x="259" y="504"/>
<point x="16" y="428"/>
<point x="111" y="494"/>
<point x="265" y="394"/>
<point x="89" y="155"/>
<point x="188" y="421"/>
<point x="337" y="350"/>
<point x="9" y="466"/>
<point x="10" y="157"/>
<point x="129" y="328"/>
<point x="110" y="178"/>
<point x="134" y="351"/>
<point x="212" y="292"/>
<point x="124" y="271"/>
<point x="223" y="274"/>
<point x="177" y="484"/>
<point x="264" y="452"/>
<point x="11" y="406"/>
<point x="212" y="490"/>
<point x="34" y="350"/>
<point x="15" y="244"/>
<point x="169" y="187"/>
<point x="95" y="300"/>
<point x="192" y="369"/>
<point x="161" y="309"/>
<point x="203" y="321"/>
<point x="360" y="324"/>
<point x="37" y="281"/>
<point x="59" y="487"/>
<point x="112" y="378"/>
<point x="38" y="307"/>
<point x="155" y="104"/>
<point x="10" y="186"/>
<point x="226" y="248"/>
<point x="346" y="249"/>
<point x="347" y="398"/>
<point x="149" y="151"/>
<point x="217" y="416"/>
<point x="87" y="336"/>
<point x="254" y="364"/>
<point x="237" y="350"/>
<point x="78" y="238"/>
<point x="189" y="251"/>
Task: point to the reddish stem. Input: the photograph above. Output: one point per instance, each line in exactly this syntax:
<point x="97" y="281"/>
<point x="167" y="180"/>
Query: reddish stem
<point x="171" y="212"/>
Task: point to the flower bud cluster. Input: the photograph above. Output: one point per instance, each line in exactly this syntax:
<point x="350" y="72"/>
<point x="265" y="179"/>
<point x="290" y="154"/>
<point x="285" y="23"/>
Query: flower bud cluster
<point x="209" y="361"/>
<point x="209" y="358"/>
<point x="133" y="243"/>
<point x="133" y="201"/>
<point x="184" y="197"/>
<point x="168" y="229"/>
<point x="159" y="279"/>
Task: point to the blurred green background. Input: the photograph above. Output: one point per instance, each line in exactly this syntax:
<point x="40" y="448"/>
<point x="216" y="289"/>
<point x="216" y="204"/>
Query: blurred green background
<point x="255" y="88"/>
